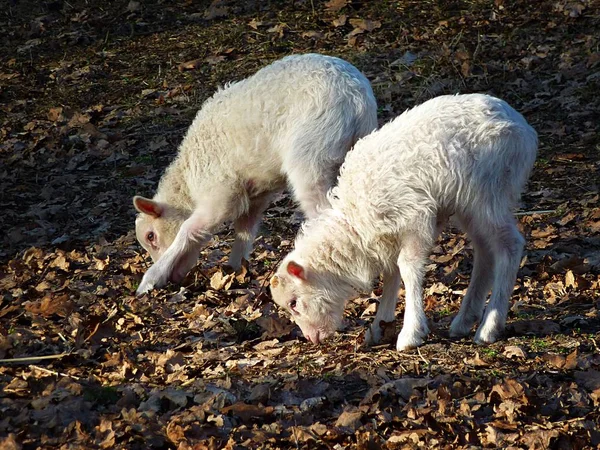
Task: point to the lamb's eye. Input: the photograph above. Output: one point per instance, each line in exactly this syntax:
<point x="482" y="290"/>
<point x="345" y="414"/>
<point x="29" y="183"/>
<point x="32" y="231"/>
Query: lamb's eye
<point x="150" y="236"/>
<point x="293" y="304"/>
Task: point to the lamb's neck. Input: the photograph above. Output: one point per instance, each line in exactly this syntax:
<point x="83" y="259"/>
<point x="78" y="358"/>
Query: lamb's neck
<point x="186" y="175"/>
<point x="339" y="251"/>
<point x="173" y="189"/>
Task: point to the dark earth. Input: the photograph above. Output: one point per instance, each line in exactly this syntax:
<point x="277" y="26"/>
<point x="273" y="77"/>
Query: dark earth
<point x="95" y="97"/>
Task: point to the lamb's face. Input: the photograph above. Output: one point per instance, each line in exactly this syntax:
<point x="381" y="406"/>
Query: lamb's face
<point x="308" y="299"/>
<point x="154" y="228"/>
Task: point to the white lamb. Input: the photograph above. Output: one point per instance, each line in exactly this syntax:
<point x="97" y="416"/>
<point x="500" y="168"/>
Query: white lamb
<point x="291" y="123"/>
<point x="466" y="155"/>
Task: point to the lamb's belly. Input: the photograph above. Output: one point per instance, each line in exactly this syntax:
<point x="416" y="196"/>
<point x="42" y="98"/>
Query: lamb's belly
<point x="385" y="248"/>
<point x="257" y="184"/>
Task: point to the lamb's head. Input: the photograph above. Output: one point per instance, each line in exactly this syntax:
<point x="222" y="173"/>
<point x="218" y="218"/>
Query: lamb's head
<point x="315" y="300"/>
<point x="157" y="225"/>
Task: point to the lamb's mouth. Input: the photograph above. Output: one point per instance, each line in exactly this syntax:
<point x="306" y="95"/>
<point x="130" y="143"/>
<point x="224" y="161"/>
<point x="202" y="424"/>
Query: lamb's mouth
<point x="316" y="335"/>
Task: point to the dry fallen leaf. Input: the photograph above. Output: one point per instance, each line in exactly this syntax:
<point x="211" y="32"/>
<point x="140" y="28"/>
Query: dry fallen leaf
<point x="175" y="433"/>
<point x="190" y="65"/>
<point x="570" y="280"/>
<point x="106" y="435"/>
<point x="50" y="305"/>
<point x="221" y="281"/>
<point x="217" y="10"/>
<point x="215" y="59"/>
<point x="246" y="411"/>
<point x="313" y="34"/>
<point x="536" y="327"/>
<point x="134" y="6"/>
<point x="349" y="419"/>
<point x="365" y="24"/>
<point x="476" y="361"/>
<point x="335" y="5"/>
<point x="509" y="389"/>
<point x="340" y="21"/>
<point x="514" y="351"/>
<point x="275" y="326"/>
<point x="54" y="114"/>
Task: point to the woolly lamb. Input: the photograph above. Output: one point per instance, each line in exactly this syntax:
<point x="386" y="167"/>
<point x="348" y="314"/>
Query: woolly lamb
<point x="291" y="123"/>
<point x="466" y="155"/>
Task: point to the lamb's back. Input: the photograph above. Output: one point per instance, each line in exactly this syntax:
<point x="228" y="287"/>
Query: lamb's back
<point x="245" y="129"/>
<point x="421" y="160"/>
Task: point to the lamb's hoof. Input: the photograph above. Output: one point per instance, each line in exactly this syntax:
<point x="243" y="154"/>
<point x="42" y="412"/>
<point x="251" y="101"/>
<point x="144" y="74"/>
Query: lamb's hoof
<point x="153" y="278"/>
<point x="408" y="341"/>
<point x="460" y="328"/>
<point x="372" y="337"/>
<point x="485" y="336"/>
<point x="490" y="329"/>
<point x="144" y="287"/>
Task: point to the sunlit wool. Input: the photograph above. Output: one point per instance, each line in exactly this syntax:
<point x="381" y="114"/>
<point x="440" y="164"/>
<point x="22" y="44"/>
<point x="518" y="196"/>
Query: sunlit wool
<point x="290" y="124"/>
<point x="467" y="156"/>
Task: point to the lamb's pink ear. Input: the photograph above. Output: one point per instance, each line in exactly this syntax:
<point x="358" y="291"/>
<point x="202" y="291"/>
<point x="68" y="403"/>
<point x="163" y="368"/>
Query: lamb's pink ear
<point x="147" y="206"/>
<point x="296" y="270"/>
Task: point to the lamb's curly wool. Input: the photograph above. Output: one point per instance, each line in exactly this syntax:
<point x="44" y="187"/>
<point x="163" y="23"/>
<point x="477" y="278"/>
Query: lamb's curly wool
<point x="289" y="124"/>
<point x="467" y="156"/>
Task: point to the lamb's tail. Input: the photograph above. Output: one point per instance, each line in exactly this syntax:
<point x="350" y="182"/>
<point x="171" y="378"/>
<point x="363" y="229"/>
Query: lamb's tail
<point x="502" y="179"/>
<point x="366" y="114"/>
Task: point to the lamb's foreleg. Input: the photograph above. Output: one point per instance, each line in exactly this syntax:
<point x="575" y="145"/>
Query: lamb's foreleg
<point x="181" y="256"/>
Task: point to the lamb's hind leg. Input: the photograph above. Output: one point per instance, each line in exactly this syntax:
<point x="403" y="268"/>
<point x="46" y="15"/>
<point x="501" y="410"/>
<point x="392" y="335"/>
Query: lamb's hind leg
<point x="473" y="304"/>
<point x="386" y="310"/>
<point x="310" y="190"/>
<point x="246" y="227"/>
<point x="313" y="161"/>
<point x="507" y="246"/>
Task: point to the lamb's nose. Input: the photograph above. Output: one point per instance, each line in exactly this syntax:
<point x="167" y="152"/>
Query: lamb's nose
<point x="313" y="337"/>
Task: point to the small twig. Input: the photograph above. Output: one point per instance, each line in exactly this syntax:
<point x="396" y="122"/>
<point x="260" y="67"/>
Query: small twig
<point x="27" y="359"/>
<point x="595" y="344"/>
<point x="92" y="333"/>
<point x="421" y="356"/>
<point x="188" y="382"/>
<point x="43" y="274"/>
<point x="529" y="213"/>
<point x="549" y="426"/>
<point x="296" y="437"/>
<point x="53" y="372"/>
<point x="241" y="291"/>
<point x="156" y="133"/>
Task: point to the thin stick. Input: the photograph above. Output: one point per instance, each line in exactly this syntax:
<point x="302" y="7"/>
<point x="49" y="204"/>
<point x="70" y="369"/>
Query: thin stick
<point x="421" y="356"/>
<point x="32" y="358"/>
<point x="595" y="345"/>
<point x="53" y="372"/>
<point x="529" y="213"/>
<point x="92" y="333"/>
<point x="188" y="382"/>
